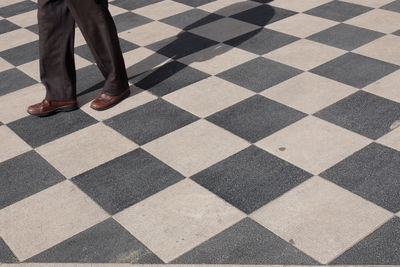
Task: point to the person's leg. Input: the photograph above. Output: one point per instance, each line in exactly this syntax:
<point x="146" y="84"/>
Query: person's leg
<point x="56" y="50"/>
<point x="99" y="30"/>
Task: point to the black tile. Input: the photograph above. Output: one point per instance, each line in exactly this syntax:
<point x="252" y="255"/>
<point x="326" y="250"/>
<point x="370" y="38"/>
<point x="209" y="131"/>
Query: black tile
<point x="261" y="41"/>
<point x="126" y="180"/>
<point x="84" y="52"/>
<point x="392" y="6"/>
<point x="372" y="173"/>
<point x="263" y="15"/>
<point x="156" y="118"/>
<point x="6" y="255"/>
<point x="129" y="20"/>
<point x="364" y="113"/>
<point x="345" y="36"/>
<point x="106" y="242"/>
<point x="246" y="242"/>
<point x="338" y="10"/>
<point x="169" y="78"/>
<point x="21" y="54"/>
<point x="18" y="8"/>
<point x="13" y="80"/>
<point x="7" y="26"/>
<point x="355" y="70"/>
<point x="127" y="46"/>
<point x="382" y="247"/>
<point x="89" y="78"/>
<point x="259" y="74"/>
<point x="195" y="3"/>
<point x="255" y="118"/>
<point x="37" y="131"/>
<point x="33" y="28"/>
<point x="191" y="19"/>
<point x="181" y="45"/>
<point x="251" y="178"/>
<point x="25" y="175"/>
<point x="130" y="5"/>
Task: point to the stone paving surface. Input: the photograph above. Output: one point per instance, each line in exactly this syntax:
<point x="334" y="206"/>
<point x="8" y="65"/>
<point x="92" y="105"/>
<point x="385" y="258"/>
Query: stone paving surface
<point x="257" y="132"/>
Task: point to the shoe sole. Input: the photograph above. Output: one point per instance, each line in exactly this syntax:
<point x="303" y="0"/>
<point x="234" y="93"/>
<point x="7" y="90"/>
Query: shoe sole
<point x="125" y="95"/>
<point x="59" y="109"/>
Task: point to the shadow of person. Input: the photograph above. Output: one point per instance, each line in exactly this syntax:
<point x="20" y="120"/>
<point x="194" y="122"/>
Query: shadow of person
<point x="233" y="25"/>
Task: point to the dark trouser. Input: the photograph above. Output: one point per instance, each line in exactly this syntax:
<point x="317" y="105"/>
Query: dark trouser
<point x="56" y="19"/>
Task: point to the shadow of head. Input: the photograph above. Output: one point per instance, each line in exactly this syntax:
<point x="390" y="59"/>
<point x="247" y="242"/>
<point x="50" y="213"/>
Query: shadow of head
<point x="205" y="35"/>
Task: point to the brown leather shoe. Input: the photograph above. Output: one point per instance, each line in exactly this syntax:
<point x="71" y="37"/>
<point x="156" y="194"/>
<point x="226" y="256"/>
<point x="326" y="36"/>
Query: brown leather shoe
<point x="49" y="107"/>
<point x="104" y="101"/>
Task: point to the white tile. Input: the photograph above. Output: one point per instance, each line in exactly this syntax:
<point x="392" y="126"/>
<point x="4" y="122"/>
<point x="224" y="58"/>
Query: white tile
<point x="11" y="144"/>
<point x="16" y="38"/>
<point x="308" y="92"/>
<point x="378" y="20"/>
<point x="217" y="58"/>
<point x="208" y="96"/>
<point x="189" y="214"/>
<point x="47" y="218"/>
<point x="321" y="218"/>
<point x="195" y="147"/>
<point x="313" y="144"/>
<point x="301" y="25"/>
<point x="24" y="19"/>
<point x="149" y="33"/>
<point x="13" y="106"/>
<point x="98" y="143"/>
<point x="384" y="48"/>
<point x="228" y="7"/>
<point x="305" y="54"/>
<point x="162" y="9"/>
<point x="387" y="87"/>
<point x="298" y="6"/>
<point x="391" y="139"/>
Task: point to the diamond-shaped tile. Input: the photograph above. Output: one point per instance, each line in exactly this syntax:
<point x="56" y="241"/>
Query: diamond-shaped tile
<point x="371" y="173"/>
<point x="195" y="147"/>
<point x="63" y="210"/>
<point x="384" y="48"/>
<point x="345" y="36"/>
<point x="391" y="139"/>
<point x="169" y="78"/>
<point x="355" y="70"/>
<point x="261" y="41"/>
<point x="379" y="248"/>
<point x="248" y="119"/>
<point x="11" y="144"/>
<point x="208" y="96"/>
<point x="217" y="58"/>
<point x="301" y="54"/>
<point x="16" y="38"/>
<point x="363" y="113"/>
<point x="224" y="29"/>
<point x="251" y="178"/>
<point x="183" y="44"/>
<point x="259" y="74"/>
<point x="13" y="80"/>
<point x="64" y="153"/>
<point x="301" y="25"/>
<point x="263" y="15"/>
<point x="377" y="20"/>
<point x="191" y="19"/>
<point x="106" y="242"/>
<point x="386" y="87"/>
<point x="299" y="6"/>
<point x="184" y="205"/>
<point x="338" y="10"/>
<point x="162" y="9"/>
<point x="256" y="244"/>
<point x="25" y="175"/>
<point x="126" y="180"/>
<point x="37" y="131"/>
<point x="156" y="118"/>
<point x="313" y="144"/>
<point x="320" y="218"/>
<point x="308" y="92"/>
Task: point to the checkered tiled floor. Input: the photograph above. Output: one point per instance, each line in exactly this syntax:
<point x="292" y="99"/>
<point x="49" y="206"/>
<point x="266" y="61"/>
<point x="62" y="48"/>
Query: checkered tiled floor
<point x="257" y="132"/>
